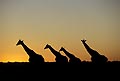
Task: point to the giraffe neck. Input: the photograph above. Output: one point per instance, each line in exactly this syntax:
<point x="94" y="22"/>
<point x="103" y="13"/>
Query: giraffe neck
<point x="27" y="50"/>
<point x="89" y="50"/>
<point x="54" y="51"/>
<point x="67" y="53"/>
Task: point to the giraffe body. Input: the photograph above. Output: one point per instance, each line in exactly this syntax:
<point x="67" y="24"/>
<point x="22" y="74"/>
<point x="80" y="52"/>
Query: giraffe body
<point x="72" y="58"/>
<point x="33" y="57"/>
<point x="58" y="57"/>
<point x="95" y="56"/>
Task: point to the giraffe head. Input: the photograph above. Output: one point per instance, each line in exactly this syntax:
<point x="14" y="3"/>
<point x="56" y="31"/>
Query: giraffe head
<point x="47" y="46"/>
<point x="19" y="42"/>
<point x="83" y="40"/>
<point x="61" y="49"/>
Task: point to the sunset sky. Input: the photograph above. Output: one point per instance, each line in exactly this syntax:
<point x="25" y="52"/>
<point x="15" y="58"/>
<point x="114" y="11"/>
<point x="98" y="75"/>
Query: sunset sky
<point x="59" y="23"/>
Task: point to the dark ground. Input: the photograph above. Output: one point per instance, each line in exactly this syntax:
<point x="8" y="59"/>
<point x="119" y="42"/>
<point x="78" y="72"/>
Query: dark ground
<point x="52" y="71"/>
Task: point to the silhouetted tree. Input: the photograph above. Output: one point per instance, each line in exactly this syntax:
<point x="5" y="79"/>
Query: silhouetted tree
<point x="33" y="57"/>
<point x="58" y="57"/>
<point x="72" y="58"/>
<point x="95" y="56"/>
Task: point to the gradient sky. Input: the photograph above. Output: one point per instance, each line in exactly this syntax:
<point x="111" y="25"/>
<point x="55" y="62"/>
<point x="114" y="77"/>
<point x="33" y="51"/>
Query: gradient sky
<point x="59" y="23"/>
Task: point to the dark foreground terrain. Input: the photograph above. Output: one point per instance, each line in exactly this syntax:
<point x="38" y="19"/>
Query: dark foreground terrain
<point x="53" y="71"/>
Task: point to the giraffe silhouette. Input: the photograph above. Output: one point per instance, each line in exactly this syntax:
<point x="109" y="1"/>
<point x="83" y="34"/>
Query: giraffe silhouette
<point x="33" y="57"/>
<point x="72" y="58"/>
<point x="95" y="56"/>
<point x="58" y="57"/>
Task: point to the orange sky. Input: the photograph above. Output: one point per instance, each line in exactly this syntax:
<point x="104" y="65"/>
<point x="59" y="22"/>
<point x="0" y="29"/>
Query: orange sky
<point x="59" y="23"/>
